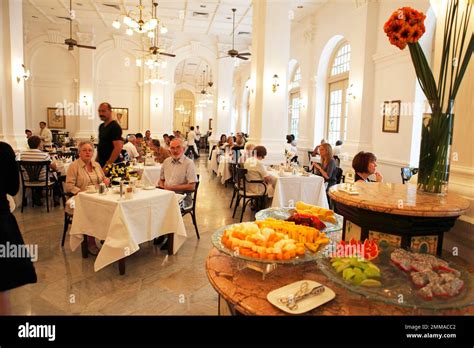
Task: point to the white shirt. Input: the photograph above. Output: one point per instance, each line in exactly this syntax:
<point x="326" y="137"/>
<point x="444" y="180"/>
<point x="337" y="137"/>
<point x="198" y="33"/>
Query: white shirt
<point x="336" y="151"/>
<point x="292" y="149"/>
<point x="46" y="135"/>
<point x="198" y="135"/>
<point x="255" y="171"/>
<point x="131" y="150"/>
<point x="191" y="138"/>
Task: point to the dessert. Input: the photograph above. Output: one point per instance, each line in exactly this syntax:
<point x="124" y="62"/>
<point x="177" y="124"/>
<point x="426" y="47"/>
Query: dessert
<point x="272" y="239"/>
<point x="431" y="275"/>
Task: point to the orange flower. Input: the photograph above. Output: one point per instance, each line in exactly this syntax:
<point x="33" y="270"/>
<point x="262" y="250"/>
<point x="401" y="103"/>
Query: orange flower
<point x="405" y="26"/>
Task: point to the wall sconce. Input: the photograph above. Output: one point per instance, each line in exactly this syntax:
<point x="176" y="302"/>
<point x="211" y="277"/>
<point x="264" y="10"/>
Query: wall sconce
<point x="275" y="84"/>
<point x="25" y="74"/>
<point x="224" y="104"/>
<point x="156" y="102"/>
<point x="351" y="92"/>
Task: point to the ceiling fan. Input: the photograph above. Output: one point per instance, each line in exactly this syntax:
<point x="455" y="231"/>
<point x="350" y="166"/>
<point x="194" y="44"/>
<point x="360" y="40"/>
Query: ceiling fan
<point x="154" y="49"/>
<point x="70" y="42"/>
<point x="233" y="52"/>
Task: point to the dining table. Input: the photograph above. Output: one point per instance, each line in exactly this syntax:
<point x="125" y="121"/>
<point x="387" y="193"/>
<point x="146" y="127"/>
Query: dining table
<point x="292" y="187"/>
<point x="212" y="163"/>
<point x="150" y="175"/>
<point x="123" y="223"/>
<point x="223" y="169"/>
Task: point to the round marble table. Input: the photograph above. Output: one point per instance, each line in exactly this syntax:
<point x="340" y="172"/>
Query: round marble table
<point x="246" y="293"/>
<point x="397" y="214"/>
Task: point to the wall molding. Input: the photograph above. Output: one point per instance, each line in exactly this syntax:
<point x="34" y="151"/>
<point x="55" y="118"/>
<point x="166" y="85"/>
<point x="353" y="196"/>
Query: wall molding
<point x="382" y="58"/>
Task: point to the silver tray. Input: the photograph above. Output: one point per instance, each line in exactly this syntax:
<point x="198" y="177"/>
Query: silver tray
<point x="307" y="257"/>
<point x="397" y="289"/>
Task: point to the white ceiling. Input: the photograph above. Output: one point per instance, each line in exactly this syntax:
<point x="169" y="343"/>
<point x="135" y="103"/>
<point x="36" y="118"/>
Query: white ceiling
<point x="190" y="71"/>
<point x="176" y="15"/>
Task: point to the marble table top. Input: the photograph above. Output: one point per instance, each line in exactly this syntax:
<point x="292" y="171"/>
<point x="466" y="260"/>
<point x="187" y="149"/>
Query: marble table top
<point x="400" y="199"/>
<point x="248" y="292"/>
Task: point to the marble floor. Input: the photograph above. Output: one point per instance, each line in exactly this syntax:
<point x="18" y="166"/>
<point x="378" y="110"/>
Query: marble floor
<point x="154" y="283"/>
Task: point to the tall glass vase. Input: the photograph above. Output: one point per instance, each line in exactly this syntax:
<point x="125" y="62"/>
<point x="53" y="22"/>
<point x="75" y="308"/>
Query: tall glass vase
<point x="435" y="150"/>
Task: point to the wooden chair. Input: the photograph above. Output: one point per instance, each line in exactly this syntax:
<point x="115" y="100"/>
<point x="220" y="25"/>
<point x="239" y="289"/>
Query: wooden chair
<point x="192" y="209"/>
<point x="67" y="216"/>
<point x="235" y="186"/>
<point x="407" y="173"/>
<point x="30" y="172"/>
<point x="243" y="194"/>
<point x="62" y="155"/>
<point x="339" y="175"/>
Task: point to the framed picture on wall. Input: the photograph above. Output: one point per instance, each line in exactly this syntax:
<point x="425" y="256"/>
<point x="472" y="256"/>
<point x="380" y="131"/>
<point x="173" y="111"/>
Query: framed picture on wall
<point x="56" y="118"/>
<point x="121" y="115"/>
<point x="391" y="116"/>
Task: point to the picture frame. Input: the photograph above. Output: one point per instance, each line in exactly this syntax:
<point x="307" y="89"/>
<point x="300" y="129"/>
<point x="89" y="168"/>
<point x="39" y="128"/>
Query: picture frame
<point x="56" y="118"/>
<point x="391" y="116"/>
<point x="121" y="116"/>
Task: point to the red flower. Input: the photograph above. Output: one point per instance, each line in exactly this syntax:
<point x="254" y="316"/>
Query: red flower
<point x="404" y="26"/>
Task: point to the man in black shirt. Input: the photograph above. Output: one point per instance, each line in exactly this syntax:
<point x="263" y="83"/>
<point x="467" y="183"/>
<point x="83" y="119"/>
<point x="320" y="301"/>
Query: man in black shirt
<point x="110" y="137"/>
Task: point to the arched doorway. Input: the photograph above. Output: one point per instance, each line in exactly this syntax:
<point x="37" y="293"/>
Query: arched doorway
<point x="183" y="110"/>
<point x="194" y="96"/>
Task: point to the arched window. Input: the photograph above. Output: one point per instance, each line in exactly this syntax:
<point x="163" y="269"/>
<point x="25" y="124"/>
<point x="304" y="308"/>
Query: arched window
<point x="294" y="102"/>
<point x="338" y="101"/>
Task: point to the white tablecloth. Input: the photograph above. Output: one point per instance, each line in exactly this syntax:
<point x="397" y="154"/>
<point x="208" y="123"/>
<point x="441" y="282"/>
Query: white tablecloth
<point x="309" y="189"/>
<point x="124" y="224"/>
<point x="212" y="164"/>
<point x="150" y="175"/>
<point x="62" y="167"/>
<point x="223" y="169"/>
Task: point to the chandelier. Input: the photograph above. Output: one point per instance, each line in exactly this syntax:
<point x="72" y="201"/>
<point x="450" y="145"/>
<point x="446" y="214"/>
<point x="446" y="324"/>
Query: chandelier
<point x="206" y="97"/>
<point x="208" y="83"/>
<point x="142" y="22"/>
<point x="155" y="78"/>
<point x="152" y="62"/>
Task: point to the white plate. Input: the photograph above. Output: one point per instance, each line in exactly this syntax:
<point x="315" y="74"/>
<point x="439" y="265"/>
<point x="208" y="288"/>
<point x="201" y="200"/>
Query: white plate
<point x="304" y="305"/>
<point x="149" y="188"/>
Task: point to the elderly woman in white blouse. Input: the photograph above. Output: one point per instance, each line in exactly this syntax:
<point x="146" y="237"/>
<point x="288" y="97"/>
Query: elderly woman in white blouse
<point x="82" y="173"/>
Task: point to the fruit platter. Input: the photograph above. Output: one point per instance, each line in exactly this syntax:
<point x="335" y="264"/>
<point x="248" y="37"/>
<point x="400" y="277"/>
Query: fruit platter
<point x="271" y="241"/>
<point x="323" y="219"/>
<point x="397" y="276"/>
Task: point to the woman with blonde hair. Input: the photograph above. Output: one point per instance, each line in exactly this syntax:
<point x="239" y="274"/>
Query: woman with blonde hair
<point x="82" y="173"/>
<point x="328" y="167"/>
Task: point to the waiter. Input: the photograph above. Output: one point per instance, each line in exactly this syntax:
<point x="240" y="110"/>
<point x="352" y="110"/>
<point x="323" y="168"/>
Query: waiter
<point x="45" y="134"/>
<point x="110" y="137"/>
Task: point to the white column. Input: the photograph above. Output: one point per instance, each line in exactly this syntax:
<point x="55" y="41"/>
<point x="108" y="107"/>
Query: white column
<point x="270" y="56"/>
<point x="12" y="96"/>
<point x="224" y="96"/>
<point x="86" y="125"/>
<point x="157" y="124"/>
<point x="361" y="111"/>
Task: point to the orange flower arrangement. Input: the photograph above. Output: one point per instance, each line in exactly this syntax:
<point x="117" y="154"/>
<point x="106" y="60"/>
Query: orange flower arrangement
<point x="404" y="26"/>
